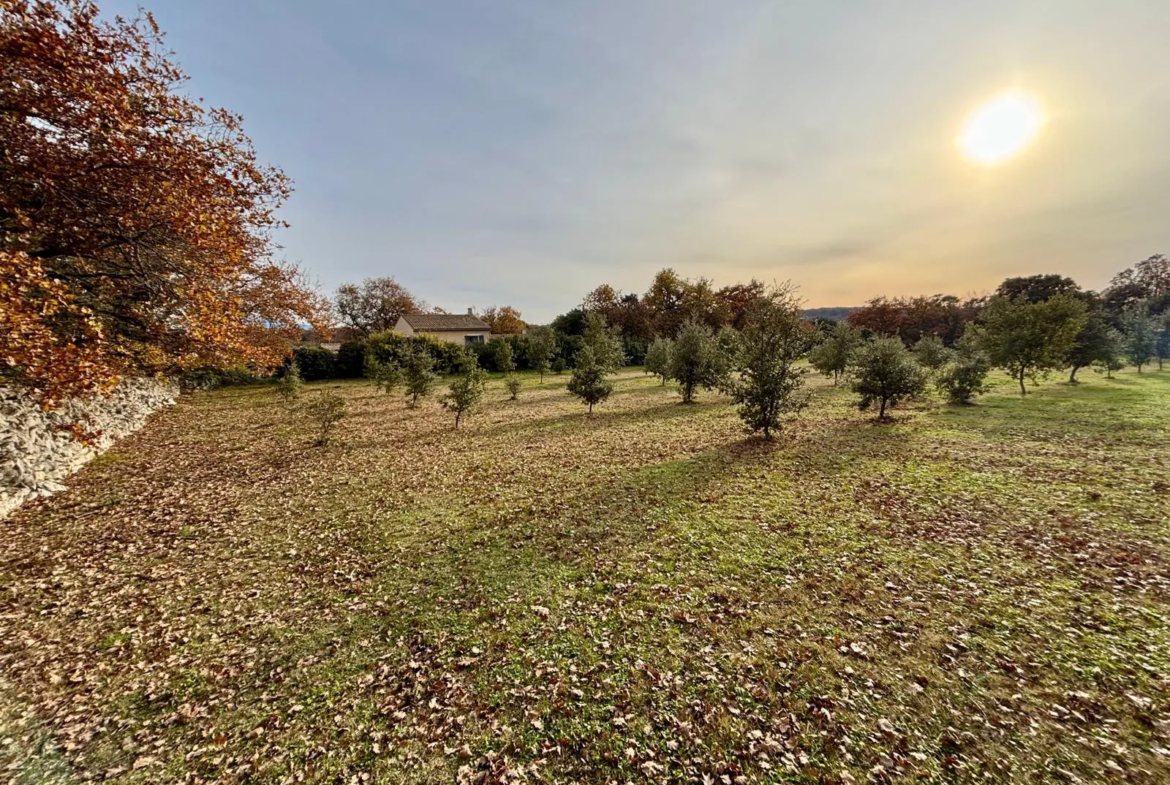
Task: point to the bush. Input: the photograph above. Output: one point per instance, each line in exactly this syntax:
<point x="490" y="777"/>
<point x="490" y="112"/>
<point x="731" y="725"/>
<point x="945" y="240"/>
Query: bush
<point x="558" y="365"/>
<point x="315" y="364"/>
<point x="385" y="376"/>
<point x="351" y="360"/>
<point x="213" y="378"/>
<point x="327" y="409"/>
<point x="931" y="353"/>
<point x="513" y="384"/>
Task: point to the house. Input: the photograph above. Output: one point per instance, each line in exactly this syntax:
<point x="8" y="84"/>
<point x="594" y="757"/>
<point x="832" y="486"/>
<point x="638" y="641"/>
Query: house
<point x="453" y="328"/>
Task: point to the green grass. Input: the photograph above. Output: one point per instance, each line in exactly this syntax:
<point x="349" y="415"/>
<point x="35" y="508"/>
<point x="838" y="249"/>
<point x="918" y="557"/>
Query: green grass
<point x="970" y="594"/>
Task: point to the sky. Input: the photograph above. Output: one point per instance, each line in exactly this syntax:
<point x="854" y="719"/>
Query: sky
<point x="524" y="152"/>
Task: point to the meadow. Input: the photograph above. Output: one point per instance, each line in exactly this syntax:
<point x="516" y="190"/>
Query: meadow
<point x="968" y="594"/>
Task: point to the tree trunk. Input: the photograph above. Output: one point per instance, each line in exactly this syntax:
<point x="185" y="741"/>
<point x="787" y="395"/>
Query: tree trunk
<point x="591" y="408"/>
<point x="882" y="409"/>
<point x="457" y="416"/>
<point x="1072" y="377"/>
<point x="1023" y="389"/>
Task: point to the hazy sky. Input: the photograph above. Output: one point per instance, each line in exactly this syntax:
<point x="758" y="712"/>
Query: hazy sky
<point x="524" y="152"/>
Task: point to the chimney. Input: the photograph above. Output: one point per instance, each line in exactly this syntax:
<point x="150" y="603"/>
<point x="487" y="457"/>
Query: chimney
<point x="471" y="312"/>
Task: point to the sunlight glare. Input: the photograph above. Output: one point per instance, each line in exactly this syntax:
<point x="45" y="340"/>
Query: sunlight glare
<point x="1001" y="128"/>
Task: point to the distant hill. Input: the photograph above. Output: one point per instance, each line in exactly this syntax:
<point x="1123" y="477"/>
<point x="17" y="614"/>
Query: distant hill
<point x="832" y="314"/>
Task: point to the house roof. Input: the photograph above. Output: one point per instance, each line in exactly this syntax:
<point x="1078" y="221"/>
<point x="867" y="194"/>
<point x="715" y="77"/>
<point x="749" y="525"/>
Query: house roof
<point x="444" y="322"/>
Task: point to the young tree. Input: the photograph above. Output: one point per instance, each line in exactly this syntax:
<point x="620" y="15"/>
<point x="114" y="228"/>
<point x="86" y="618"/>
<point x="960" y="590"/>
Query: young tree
<point x="466" y="388"/>
<point x="513" y="385"/>
<point x="376" y="305"/>
<point x="658" y="358"/>
<point x="1141" y="334"/>
<point x="288" y="386"/>
<point x="965" y="375"/>
<point x="418" y="375"/>
<point x="1027" y="339"/>
<point x="327" y="409"/>
<point x="135" y="222"/>
<point x="931" y="353"/>
<point x="542" y="342"/>
<point x="767" y="382"/>
<point x="885" y="372"/>
<point x="605" y="345"/>
<point x="505" y="363"/>
<point x="831" y="356"/>
<point x="696" y="360"/>
<point x="1095" y="343"/>
<point x="588" y="381"/>
<point x="386" y="376"/>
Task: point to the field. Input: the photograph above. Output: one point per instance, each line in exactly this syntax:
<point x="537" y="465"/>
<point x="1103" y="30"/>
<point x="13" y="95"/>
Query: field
<point x="644" y="595"/>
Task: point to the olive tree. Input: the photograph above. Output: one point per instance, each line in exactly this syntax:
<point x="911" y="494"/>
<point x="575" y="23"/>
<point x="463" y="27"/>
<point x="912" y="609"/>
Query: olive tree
<point x="696" y="360"/>
<point x="885" y="373"/>
<point x="1028" y="339"/>
<point x="766" y="382"/>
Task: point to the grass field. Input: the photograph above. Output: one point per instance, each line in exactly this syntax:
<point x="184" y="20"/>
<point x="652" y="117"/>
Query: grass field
<point x="970" y="594"/>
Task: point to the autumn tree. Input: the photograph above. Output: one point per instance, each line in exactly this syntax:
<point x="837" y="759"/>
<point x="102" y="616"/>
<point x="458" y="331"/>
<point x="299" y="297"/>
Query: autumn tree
<point x="589" y="382"/>
<point x="664" y="300"/>
<point x="542" y="342"/>
<point x="696" y="360"/>
<point x="504" y="320"/>
<point x="767" y="382"/>
<point x="658" y="358"/>
<point x="1141" y="334"/>
<point x="885" y="373"/>
<point x="375" y="305"/>
<point x="135" y="222"/>
<point x="466" y="389"/>
<point x="1026" y="338"/>
<point x="832" y="355"/>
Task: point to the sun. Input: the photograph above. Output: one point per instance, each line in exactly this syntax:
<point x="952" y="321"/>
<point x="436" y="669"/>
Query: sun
<point x="1001" y="128"/>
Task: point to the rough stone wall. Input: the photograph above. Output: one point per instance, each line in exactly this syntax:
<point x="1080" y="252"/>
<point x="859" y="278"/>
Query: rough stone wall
<point x="38" y="450"/>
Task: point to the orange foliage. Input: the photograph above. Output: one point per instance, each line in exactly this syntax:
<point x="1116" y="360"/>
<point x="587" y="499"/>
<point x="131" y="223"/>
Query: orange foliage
<point x="135" y="222"/>
<point x="504" y="320"/>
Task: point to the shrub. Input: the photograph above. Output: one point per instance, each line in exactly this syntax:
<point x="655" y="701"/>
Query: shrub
<point x="767" y="381"/>
<point x="513" y="384"/>
<point x="505" y="362"/>
<point x="212" y="378"/>
<point x="588" y="382"/>
<point x="559" y="365"/>
<point x="315" y="364"/>
<point x="288" y="387"/>
<point x="351" y="360"/>
<point x="466" y="389"/>
<point x="326" y="409"/>
<point x="885" y="373"/>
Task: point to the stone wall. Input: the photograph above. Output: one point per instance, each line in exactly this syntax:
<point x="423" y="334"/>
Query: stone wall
<point x="38" y="449"/>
